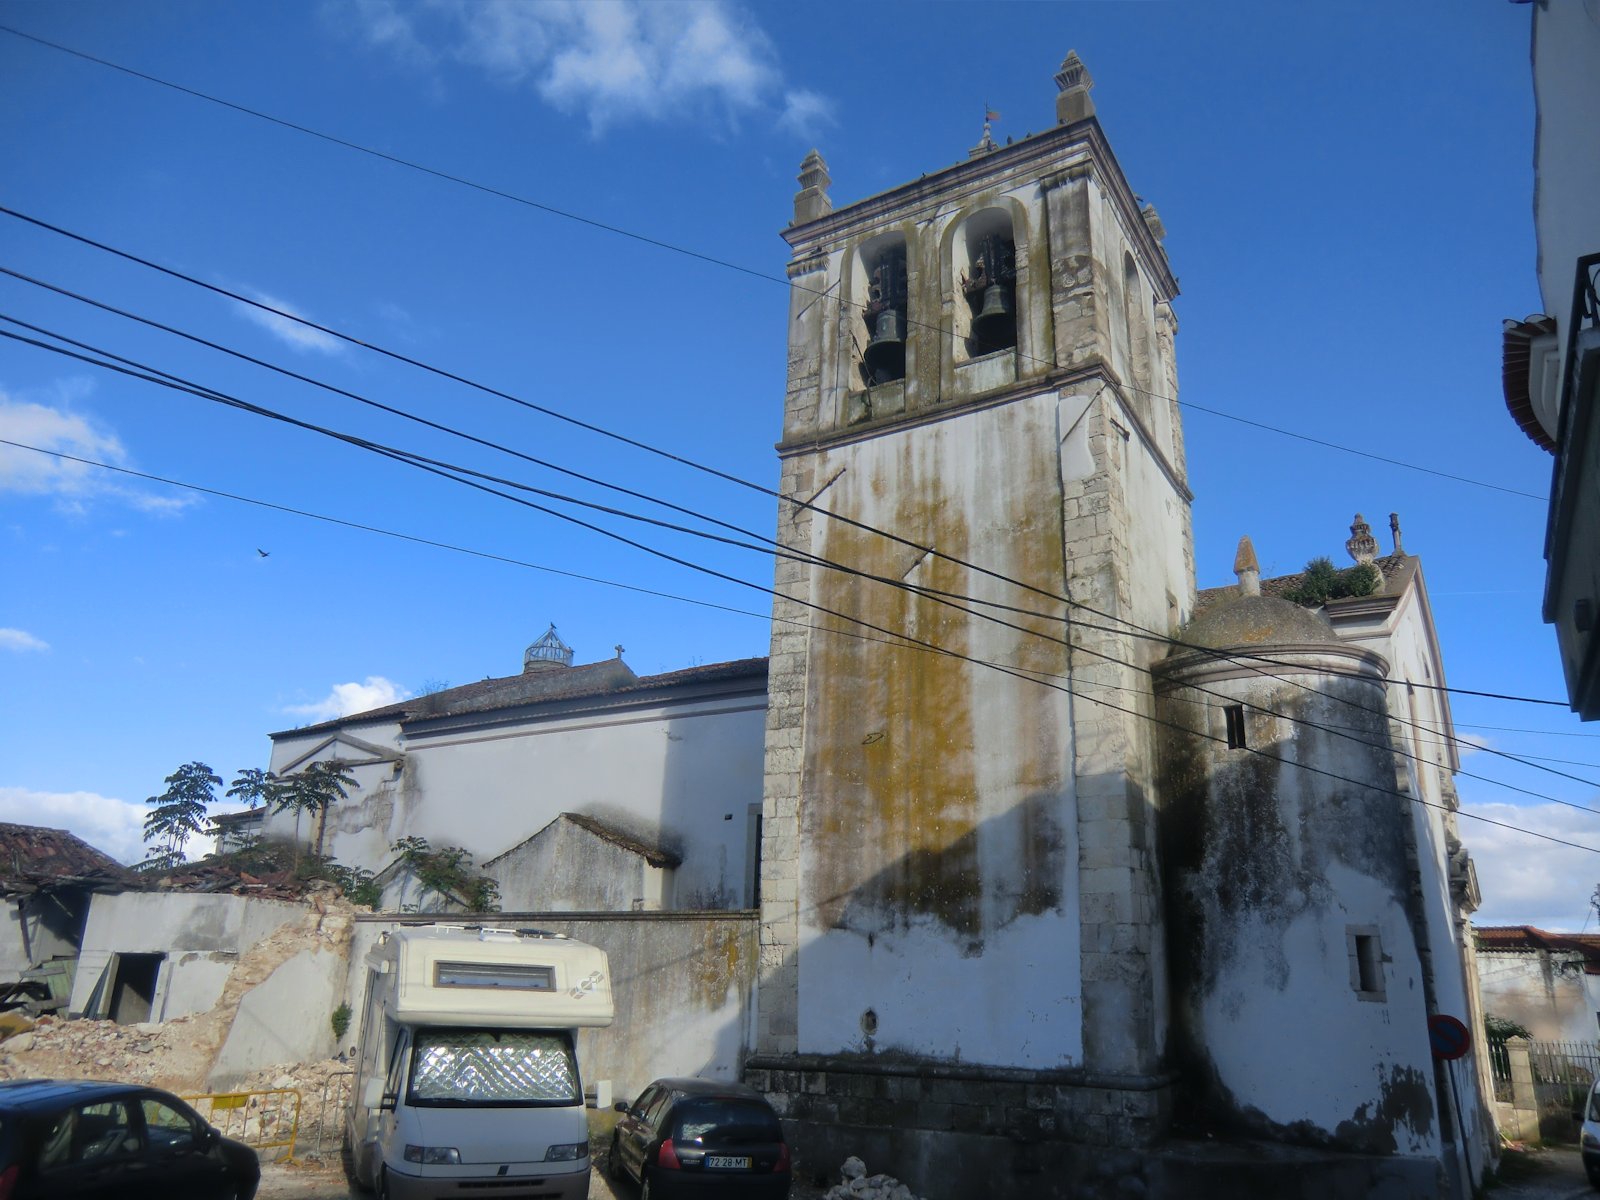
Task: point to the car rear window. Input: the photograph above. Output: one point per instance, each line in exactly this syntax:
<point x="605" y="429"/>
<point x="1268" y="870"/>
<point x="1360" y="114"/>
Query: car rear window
<point x="725" y="1120"/>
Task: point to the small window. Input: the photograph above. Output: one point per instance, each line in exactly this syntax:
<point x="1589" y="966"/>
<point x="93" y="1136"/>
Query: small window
<point x="88" y="1133"/>
<point x="1233" y="715"/>
<point x="1366" y="961"/>
<point x="512" y="976"/>
<point x="169" y="1130"/>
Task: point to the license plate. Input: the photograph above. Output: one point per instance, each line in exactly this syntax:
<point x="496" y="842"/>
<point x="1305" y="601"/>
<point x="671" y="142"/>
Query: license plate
<point x="726" y="1162"/>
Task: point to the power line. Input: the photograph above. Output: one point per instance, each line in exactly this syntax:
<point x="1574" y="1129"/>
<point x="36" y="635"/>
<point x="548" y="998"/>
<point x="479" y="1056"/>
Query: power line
<point x="602" y="431"/>
<point x="946" y="598"/>
<point x="901" y="640"/>
<point x="458" y="473"/>
<point x="700" y="256"/>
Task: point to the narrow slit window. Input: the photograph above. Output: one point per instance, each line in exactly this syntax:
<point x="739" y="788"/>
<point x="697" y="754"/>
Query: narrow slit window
<point x="1233" y="714"/>
<point x="1366" y="962"/>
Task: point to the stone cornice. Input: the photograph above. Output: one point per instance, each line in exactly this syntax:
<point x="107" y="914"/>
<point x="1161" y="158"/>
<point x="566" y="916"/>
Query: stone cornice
<point x="1015" y="163"/>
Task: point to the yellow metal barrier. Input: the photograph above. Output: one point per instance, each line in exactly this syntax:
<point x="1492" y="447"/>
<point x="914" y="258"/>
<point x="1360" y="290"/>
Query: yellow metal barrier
<point x="265" y="1120"/>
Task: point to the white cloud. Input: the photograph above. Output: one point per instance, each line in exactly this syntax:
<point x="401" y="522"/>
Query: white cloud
<point x="626" y="60"/>
<point x="805" y="113"/>
<point x="115" y="827"/>
<point x="1529" y="881"/>
<point x="293" y="334"/>
<point x="60" y="431"/>
<point x="347" y="698"/>
<point x="20" y="640"/>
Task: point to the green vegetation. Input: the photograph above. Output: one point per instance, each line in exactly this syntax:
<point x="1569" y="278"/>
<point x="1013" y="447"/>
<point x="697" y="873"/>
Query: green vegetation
<point x="1322" y="581"/>
<point x="447" y="873"/>
<point x="340" y="1020"/>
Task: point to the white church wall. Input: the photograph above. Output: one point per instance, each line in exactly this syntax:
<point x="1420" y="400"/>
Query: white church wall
<point x="680" y="774"/>
<point x="946" y="855"/>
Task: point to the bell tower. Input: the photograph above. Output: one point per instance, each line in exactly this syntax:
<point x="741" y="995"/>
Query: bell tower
<point x="962" y="963"/>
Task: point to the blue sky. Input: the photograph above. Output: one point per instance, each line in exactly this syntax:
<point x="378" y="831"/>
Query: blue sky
<point x="1347" y="190"/>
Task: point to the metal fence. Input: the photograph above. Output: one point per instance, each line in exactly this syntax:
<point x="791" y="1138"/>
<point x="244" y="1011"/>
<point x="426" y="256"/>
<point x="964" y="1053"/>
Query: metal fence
<point x="1500" y="1068"/>
<point x="1564" y="1062"/>
<point x="266" y="1120"/>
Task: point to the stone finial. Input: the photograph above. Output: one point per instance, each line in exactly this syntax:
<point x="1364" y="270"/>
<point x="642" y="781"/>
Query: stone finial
<point x="986" y="144"/>
<point x="811" y="201"/>
<point x="1073" y="104"/>
<point x="1363" y="547"/>
<point x="1394" y="532"/>
<point x="1247" y="568"/>
<point x="1152" y="222"/>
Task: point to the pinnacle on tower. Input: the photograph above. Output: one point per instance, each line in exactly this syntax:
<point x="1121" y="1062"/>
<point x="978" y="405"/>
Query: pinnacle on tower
<point x="1074" y="80"/>
<point x="811" y="201"/>
<point x="1247" y="568"/>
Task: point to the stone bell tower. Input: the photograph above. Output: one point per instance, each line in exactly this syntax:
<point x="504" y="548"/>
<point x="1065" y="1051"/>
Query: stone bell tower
<point x="962" y="953"/>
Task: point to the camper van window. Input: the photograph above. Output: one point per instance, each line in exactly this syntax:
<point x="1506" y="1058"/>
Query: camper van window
<point x="494" y="975"/>
<point x="493" y="1067"/>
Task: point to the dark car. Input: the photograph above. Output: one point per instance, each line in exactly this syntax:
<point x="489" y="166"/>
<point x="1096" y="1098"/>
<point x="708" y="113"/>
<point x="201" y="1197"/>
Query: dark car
<point x="70" y="1139"/>
<point x="699" y="1137"/>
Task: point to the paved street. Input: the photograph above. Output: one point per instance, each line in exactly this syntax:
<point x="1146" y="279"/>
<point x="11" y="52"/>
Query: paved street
<point x="1555" y="1174"/>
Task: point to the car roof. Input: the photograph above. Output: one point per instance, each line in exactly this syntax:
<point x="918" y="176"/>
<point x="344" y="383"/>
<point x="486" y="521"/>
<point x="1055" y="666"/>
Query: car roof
<point x="694" y="1086"/>
<point x="17" y="1095"/>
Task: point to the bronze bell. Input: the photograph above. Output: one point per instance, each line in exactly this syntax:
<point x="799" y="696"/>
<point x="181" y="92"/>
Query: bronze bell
<point x="885" y="354"/>
<point x="995" y="325"/>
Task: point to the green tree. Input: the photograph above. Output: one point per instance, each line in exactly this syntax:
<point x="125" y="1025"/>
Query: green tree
<point x="313" y="791"/>
<point x="256" y="787"/>
<point x="447" y="872"/>
<point x="179" y="813"/>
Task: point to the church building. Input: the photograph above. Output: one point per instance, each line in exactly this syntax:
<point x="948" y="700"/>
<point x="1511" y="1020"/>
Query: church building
<point x="1071" y="879"/>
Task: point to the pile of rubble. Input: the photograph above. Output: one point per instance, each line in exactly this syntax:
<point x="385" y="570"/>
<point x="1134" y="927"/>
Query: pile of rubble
<point x="168" y="1056"/>
<point x="856" y="1184"/>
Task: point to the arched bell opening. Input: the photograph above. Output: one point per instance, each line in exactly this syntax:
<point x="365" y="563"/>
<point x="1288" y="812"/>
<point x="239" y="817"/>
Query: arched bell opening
<point x="988" y="280"/>
<point x="882" y="267"/>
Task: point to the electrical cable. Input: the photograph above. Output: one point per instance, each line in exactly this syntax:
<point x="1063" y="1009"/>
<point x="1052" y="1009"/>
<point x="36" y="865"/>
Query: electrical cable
<point x="675" y="248"/>
<point x="900" y="639"/>
<point x="941" y="597"/>
<point x="546" y="411"/>
<point x="456" y="472"/>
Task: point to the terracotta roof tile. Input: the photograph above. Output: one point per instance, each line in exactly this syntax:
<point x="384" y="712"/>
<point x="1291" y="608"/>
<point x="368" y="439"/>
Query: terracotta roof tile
<point x="33" y="858"/>
<point x="608" y="677"/>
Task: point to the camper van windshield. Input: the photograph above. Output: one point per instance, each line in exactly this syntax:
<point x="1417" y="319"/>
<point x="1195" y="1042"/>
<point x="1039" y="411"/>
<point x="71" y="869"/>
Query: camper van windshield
<point x="492" y="1067"/>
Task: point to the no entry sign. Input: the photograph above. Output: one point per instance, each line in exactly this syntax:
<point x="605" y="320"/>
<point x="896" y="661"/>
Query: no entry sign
<point x="1448" y="1037"/>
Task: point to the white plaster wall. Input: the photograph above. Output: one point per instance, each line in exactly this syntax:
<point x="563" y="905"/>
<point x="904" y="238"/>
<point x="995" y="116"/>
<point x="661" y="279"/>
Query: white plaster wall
<point x="1566" y="83"/>
<point x="196" y="932"/>
<point x="1255" y="1028"/>
<point x="1010" y="995"/>
<point x="669" y="772"/>
<point x="309" y="987"/>
<point x="1548" y="993"/>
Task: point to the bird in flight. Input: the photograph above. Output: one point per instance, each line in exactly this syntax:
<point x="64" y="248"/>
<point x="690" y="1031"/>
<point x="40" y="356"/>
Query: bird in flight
<point x="263" y="553"/>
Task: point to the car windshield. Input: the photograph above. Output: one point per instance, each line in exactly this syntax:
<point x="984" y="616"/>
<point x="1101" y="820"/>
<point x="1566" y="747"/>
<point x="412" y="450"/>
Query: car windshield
<point x="1594" y="1103"/>
<point x="504" y="1067"/>
<point x="725" y="1120"/>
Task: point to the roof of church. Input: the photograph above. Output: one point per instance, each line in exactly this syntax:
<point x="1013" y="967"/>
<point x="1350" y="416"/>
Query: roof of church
<point x="1254" y="621"/>
<point x="35" y="858"/>
<point x="1530" y="937"/>
<point x="1396" y="569"/>
<point x="610" y="677"/>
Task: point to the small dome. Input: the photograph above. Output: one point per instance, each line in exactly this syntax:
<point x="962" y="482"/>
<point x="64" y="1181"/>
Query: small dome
<point x="548" y="651"/>
<point x="1255" y="621"/>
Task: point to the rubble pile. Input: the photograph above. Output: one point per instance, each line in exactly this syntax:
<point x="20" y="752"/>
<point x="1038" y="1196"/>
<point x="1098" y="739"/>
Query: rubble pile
<point x="856" y="1184"/>
<point x="324" y="1092"/>
<point x="167" y="1056"/>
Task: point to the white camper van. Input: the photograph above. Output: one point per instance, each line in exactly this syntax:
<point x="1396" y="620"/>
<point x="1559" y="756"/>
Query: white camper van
<point x="466" y="1072"/>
